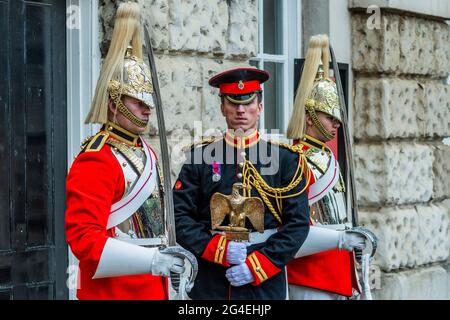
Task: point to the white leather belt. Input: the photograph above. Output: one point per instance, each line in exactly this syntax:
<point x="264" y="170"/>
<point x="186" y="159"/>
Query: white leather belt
<point x="337" y="227"/>
<point x="254" y="237"/>
<point x="150" y="242"/>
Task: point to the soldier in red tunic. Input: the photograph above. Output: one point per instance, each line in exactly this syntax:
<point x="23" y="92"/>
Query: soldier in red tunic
<point x="114" y="217"/>
<point x="325" y="264"/>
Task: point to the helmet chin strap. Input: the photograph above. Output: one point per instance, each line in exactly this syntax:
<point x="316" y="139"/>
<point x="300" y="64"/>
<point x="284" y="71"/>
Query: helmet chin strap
<point x="124" y="110"/>
<point x="328" y="135"/>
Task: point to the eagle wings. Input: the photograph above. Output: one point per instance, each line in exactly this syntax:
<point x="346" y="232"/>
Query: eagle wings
<point x="238" y="208"/>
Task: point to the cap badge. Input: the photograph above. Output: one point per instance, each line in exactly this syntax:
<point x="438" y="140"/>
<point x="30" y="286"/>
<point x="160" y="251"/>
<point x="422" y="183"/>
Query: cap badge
<point x="241" y="85"/>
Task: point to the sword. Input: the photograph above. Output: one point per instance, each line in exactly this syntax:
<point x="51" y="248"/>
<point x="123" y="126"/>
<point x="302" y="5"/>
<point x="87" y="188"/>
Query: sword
<point x="372" y="239"/>
<point x="181" y="286"/>
<point x="347" y="141"/>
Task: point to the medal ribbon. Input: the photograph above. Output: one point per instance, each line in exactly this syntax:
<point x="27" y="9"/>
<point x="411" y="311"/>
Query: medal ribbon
<point x="216" y="169"/>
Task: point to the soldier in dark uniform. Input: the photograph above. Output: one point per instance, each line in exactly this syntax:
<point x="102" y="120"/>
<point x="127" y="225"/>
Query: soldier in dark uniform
<point x="273" y="172"/>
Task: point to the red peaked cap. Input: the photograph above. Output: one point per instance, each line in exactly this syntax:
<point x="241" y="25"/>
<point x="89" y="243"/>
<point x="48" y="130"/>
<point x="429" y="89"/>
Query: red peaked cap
<point x="241" y="81"/>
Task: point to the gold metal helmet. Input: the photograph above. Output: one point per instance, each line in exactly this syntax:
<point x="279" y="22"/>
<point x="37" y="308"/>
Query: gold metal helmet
<point x="324" y="96"/>
<point x="124" y="73"/>
<point x="137" y="83"/>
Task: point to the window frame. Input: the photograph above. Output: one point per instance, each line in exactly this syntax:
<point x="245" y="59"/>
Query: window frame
<point x="83" y="69"/>
<point x="290" y="10"/>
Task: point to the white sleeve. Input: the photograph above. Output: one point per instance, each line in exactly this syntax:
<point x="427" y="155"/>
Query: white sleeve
<point x="120" y="258"/>
<point x="319" y="239"/>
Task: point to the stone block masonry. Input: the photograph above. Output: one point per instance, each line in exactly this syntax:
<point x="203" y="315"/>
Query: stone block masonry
<point x="401" y="114"/>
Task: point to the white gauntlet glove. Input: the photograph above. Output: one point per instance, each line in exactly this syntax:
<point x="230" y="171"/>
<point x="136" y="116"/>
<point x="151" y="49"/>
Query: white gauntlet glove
<point x="120" y="258"/>
<point x="322" y="239"/>
<point x="350" y="241"/>
<point x="163" y="264"/>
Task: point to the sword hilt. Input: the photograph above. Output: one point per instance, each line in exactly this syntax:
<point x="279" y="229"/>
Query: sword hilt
<point x="187" y="255"/>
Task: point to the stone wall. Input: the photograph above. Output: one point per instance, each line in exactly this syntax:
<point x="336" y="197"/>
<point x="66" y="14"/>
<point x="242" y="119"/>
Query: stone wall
<point x="401" y="115"/>
<point x="192" y="40"/>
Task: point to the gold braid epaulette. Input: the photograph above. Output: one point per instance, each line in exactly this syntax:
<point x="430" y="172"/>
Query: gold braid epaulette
<point x="252" y="178"/>
<point x="296" y="149"/>
<point x="94" y="143"/>
<point x="207" y="140"/>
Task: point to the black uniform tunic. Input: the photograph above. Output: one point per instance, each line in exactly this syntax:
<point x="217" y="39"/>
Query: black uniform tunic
<point x="192" y="194"/>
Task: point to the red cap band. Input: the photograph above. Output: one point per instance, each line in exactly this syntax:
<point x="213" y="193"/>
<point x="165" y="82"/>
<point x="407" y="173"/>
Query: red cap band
<point x="240" y="87"/>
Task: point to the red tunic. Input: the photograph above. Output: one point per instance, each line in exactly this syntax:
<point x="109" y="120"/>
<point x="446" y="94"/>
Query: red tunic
<point x="94" y="183"/>
<point x="332" y="271"/>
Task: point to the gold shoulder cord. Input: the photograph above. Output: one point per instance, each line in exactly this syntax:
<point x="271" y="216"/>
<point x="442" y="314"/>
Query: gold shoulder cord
<point x="252" y="178"/>
<point x="207" y="140"/>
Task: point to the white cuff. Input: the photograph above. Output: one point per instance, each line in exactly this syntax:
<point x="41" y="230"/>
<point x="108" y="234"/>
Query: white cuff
<point x="319" y="240"/>
<point x="120" y="258"/>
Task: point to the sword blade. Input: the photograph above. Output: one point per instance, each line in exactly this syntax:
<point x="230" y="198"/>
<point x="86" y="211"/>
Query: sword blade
<point x="181" y="284"/>
<point x="347" y="142"/>
<point x="168" y="197"/>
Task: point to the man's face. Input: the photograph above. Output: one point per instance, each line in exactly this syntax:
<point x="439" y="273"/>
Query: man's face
<point x="241" y="116"/>
<point x="329" y="123"/>
<point x="138" y="108"/>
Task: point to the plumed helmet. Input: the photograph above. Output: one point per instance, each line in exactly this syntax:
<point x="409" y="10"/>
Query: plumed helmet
<point x="316" y="91"/>
<point x="123" y="72"/>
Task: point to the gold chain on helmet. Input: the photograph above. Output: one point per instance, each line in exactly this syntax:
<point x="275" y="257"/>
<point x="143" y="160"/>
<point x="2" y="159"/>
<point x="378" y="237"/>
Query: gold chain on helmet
<point x="115" y="96"/>
<point x="310" y="109"/>
<point x="252" y="178"/>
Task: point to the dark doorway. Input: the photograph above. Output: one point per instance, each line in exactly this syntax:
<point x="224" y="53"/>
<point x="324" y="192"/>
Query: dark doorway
<point x="33" y="149"/>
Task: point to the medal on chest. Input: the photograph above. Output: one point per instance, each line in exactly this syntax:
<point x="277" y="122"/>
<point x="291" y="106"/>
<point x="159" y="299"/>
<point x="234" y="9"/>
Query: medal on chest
<point x="216" y="172"/>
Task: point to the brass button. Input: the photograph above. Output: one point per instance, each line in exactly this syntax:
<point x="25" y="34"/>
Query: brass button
<point x="220" y="248"/>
